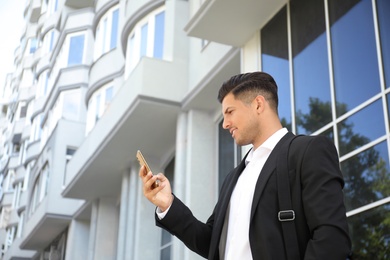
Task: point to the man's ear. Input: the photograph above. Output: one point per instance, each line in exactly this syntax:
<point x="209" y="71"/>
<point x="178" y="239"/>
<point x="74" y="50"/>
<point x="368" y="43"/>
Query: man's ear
<point x="259" y="102"/>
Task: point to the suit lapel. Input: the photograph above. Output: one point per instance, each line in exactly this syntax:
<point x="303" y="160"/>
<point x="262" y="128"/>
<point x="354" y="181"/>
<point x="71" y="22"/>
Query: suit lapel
<point x="224" y="201"/>
<point x="268" y="168"/>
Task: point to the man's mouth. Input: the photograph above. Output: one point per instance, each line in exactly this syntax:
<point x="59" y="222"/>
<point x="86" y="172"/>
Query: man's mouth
<point x="232" y="131"/>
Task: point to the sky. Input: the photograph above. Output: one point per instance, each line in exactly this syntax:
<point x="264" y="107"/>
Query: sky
<point x="11" y="25"/>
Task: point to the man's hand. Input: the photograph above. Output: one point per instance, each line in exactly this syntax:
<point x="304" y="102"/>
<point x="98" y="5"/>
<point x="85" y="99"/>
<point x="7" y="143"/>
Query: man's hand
<point x="161" y="196"/>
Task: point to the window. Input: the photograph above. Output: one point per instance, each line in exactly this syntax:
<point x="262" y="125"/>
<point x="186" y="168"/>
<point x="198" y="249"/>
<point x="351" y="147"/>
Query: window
<point x="275" y="61"/>
<point x="310" y="61"/>
<point x="337" y="90"/>
<point x="40" y="188"/>
<point x="17" y="194"/>
<point x="48" y="41"/>
<point x="107" y="32"/>
<point x="53" y="6"/>
<point x="69" y="153"/>
<point x="67" y="106"/>
<point x="350" y="47"/>
<point x="71" y="104"/>
<point x="23" y="111"/>
<point x="33" y="42"/>
<point x="43" y="84"/>
<point x="383" y="7"/>
<point x="146" y="39"/>
<point x="98" y="104"/>
<point x="76" y="49"/>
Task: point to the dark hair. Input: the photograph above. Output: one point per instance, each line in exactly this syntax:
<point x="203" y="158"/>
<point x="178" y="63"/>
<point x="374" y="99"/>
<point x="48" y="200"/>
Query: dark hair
<point x="248" y="85"/>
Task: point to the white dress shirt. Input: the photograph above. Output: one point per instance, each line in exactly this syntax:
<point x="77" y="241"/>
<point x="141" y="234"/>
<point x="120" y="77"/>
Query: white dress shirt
<point x="237" y="241"/>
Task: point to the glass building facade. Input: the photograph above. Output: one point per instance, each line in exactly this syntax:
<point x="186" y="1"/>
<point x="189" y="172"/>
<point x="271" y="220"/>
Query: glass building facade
<point x="332" y="64"/>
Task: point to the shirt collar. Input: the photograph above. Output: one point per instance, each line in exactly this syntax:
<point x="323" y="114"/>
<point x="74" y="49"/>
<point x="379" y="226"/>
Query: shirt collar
<point x="267" y="146"/>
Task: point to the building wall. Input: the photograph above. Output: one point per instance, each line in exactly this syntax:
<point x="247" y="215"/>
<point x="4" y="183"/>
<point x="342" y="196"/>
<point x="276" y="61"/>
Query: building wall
<point x="95" y="81"/>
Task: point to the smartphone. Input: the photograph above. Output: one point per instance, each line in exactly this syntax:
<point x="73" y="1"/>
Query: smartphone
<point x="142" y="162"/>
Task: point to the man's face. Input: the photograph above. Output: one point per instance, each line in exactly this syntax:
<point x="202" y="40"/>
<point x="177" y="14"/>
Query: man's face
<point x="240" y="119"/>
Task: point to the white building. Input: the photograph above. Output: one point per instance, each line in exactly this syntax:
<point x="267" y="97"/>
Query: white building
<point x="97" y="80"/>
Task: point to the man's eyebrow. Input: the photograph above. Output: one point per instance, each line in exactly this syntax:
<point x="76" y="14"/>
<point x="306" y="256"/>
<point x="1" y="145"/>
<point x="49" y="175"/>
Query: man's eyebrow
<point x="226" y="110"/>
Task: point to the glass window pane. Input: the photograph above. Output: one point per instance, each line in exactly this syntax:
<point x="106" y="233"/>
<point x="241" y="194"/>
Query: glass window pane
<point x="159" y="36"/>
<point x="33" y="45"/>
<point x="355" y="61"/>
<point x="225" y="153"/>
<point x="383" y="7"/>
<point x="366" y="176"/>
<point x="76" y="50"/>
<point x="71" y="105"/>
<point x="370" y="232"/>
<point x="104" y="33"/>
<point x="144" y="40"/>
<point x="361" y="128"/>
<point x="310" y="61"/>
<point x="274" y="57"/>
<point x="114" y="29"/>
<point x="108" y="95"/>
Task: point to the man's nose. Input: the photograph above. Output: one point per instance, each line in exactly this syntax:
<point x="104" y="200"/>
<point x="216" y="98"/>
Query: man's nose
<point x="225" y="124"/>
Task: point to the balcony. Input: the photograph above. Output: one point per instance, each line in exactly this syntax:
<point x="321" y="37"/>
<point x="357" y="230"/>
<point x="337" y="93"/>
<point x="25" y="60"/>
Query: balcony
<point x="100" y="73"/>
<point x="35" y="11"/>
<point x="143" y="103"/>
<point x="38" y="107"/>
<point x="79" y="3"/>
<point x="14" y="252"/>
<point x="14" y="161"/>
<point x="26" y="132"/>
<point x="53" y="213"/>
<point x="18" y="128"/>
<point x="101" y="5"/>
<point x="43" y="64"/>
<point x="14" y="218"/>
<point x="7" y="198"/>
<point x="26" y="93"/>
<point x="32" y="151"/>
<point x="213" y="21"/>
<point x="22" y="202"/>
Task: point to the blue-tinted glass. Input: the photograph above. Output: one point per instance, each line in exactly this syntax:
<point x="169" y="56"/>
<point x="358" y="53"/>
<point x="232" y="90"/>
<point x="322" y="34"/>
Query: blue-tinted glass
<point x="355" y="62"/>
<point x="384" y="31"/>
<point x="144" y="40"/>
<point x="366" y="176"/>
<point x="108" y="96"/>
<point x="361" y="128"/>
<point x="76" y="50"/>
<point x="159" y="36"/>
<point x="274" y="57"/>
<point x="370" y="233"/>
<point x="310" y="65"/>
<point x="51" y="41"/>
<point x="114" y="29"/>
<point x="225" y="153"/>
<point x="33" y="45"/>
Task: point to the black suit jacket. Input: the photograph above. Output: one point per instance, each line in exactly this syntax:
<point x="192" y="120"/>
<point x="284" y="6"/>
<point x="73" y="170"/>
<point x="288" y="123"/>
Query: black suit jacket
<point x="316" y="188"/>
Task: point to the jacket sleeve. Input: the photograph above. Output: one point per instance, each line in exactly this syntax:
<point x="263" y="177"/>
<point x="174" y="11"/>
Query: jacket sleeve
<point x="180" y="222"/>
<point x="323" y="201"/>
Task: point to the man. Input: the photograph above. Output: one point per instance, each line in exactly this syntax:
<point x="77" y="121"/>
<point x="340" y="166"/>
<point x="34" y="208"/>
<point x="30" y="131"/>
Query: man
<point x="244" y="223"/>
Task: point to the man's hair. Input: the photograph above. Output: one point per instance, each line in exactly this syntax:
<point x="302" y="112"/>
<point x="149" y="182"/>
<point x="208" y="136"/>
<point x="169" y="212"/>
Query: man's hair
<point x="247" y="86"/>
